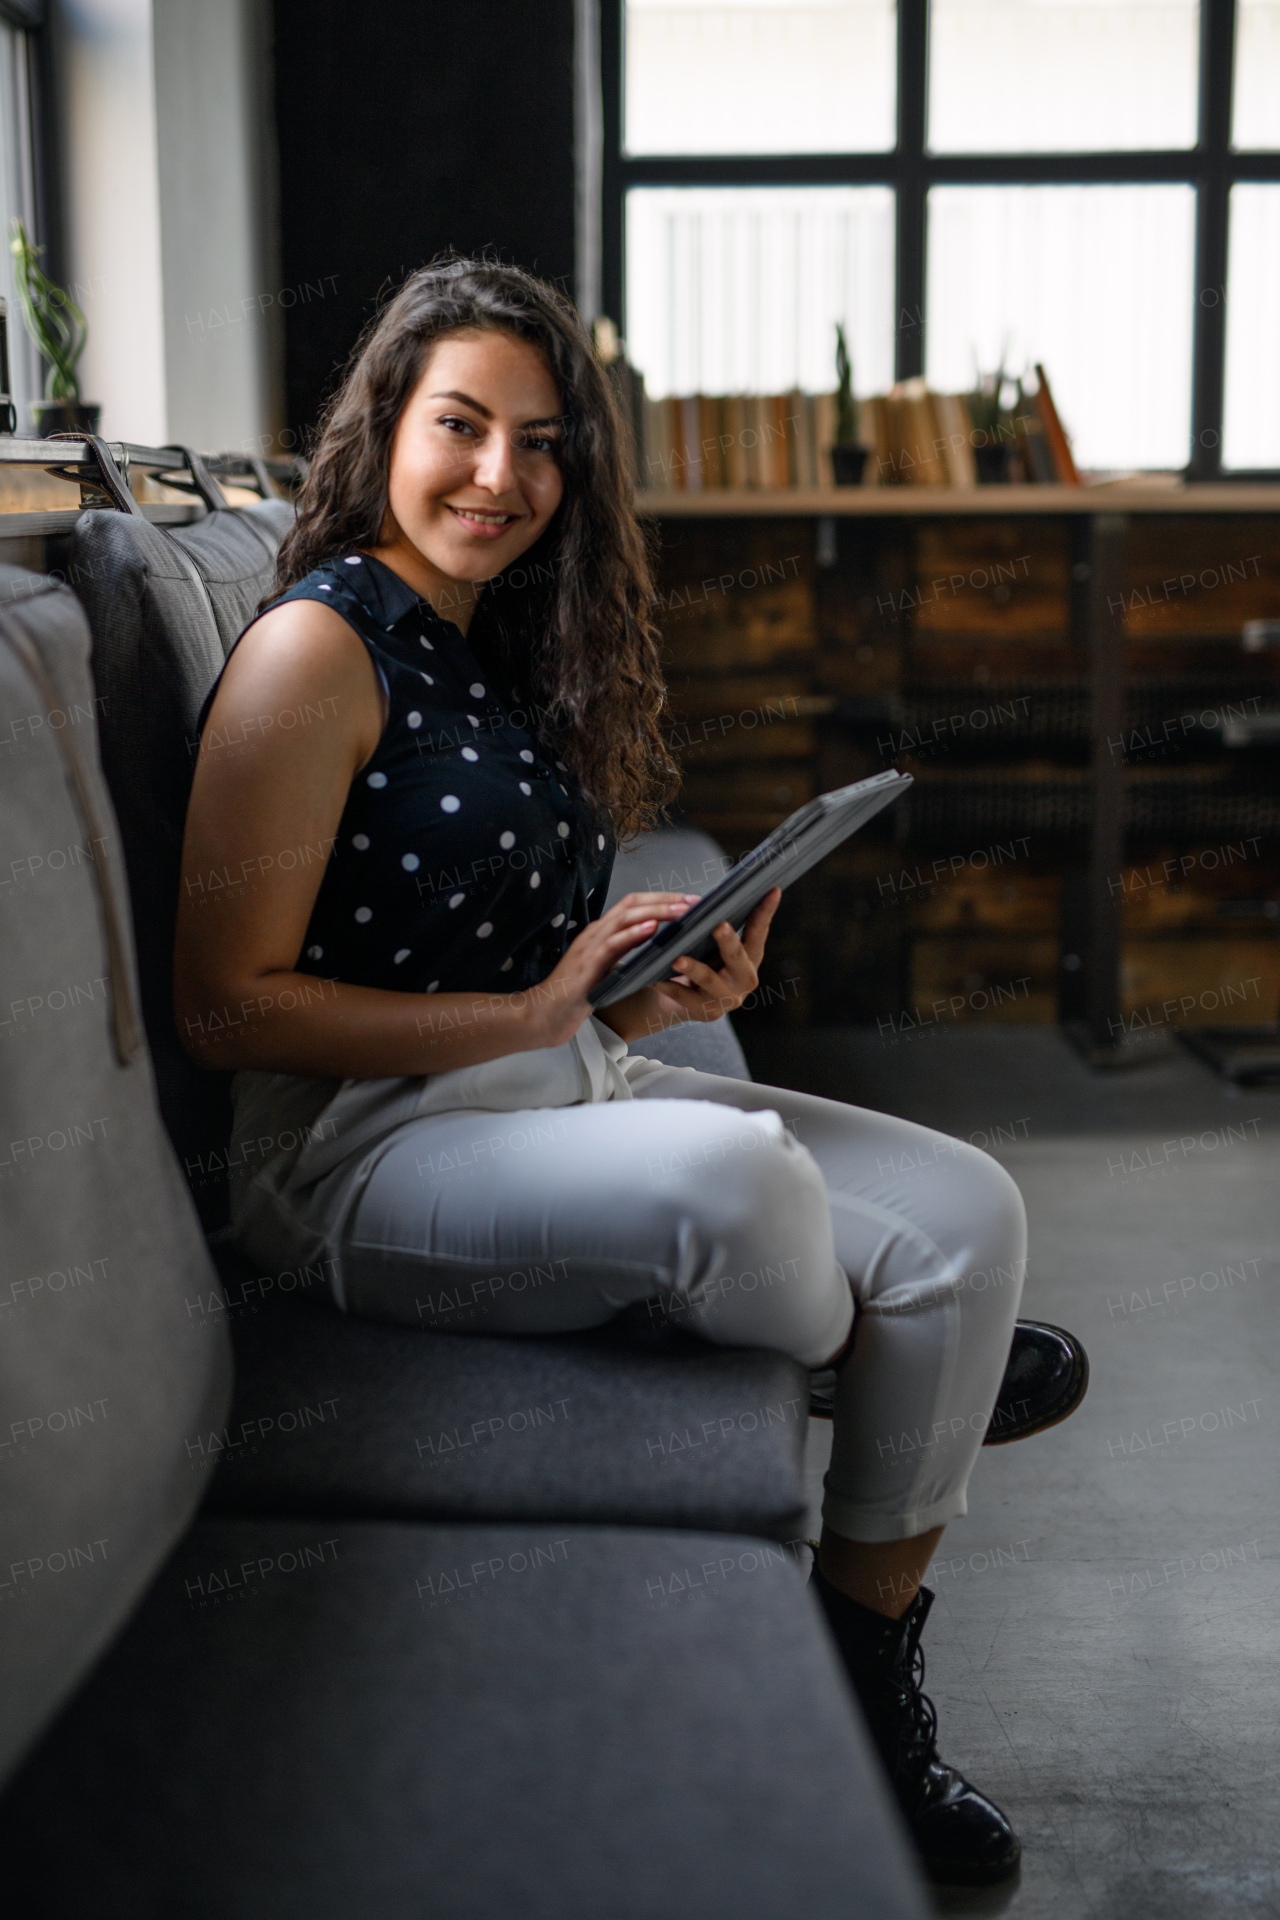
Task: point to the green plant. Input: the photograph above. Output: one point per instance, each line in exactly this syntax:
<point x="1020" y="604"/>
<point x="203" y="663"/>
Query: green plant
<point x="51" y="317"/>
<point x="846" y="404"/>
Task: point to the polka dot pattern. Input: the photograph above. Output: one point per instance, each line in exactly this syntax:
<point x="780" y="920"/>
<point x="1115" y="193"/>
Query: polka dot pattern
<point x="466" y="857"/>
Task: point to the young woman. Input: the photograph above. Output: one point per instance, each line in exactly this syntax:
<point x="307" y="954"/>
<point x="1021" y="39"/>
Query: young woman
<point x="419" y="758"/>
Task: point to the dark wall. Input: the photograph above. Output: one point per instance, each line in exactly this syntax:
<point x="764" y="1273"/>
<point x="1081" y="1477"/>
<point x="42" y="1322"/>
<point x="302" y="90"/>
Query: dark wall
<point x="406" y="126"/>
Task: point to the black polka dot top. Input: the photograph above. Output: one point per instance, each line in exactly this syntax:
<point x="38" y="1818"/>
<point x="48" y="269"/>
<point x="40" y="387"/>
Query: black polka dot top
<point x="466" y="858"/>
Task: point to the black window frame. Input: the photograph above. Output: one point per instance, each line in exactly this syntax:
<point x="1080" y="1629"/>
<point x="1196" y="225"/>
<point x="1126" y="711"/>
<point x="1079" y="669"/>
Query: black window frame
<point x="1211" y="168"/>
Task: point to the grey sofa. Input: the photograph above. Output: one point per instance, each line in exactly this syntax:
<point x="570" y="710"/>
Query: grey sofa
<point x="314" y="1616"/>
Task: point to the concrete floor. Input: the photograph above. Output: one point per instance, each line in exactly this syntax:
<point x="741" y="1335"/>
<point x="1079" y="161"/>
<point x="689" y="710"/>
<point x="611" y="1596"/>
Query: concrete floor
<point x="1104" y="1651"/>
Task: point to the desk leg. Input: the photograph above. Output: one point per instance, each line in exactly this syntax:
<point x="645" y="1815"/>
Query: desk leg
<point x="1104" y="615"/>
<point x="1093" y="902"/>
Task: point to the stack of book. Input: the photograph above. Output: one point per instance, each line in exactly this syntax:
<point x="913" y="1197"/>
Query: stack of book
<point x="913" y="437"/>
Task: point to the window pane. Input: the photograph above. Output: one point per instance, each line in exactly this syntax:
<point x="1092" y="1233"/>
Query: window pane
<point x="1251" y="414"/>
<point x="1256" y="117"/>
<point x="760" y="76"/>
<point x="1043" y="76"/>
<point x="25" y="366"/>
<point x="737" y="290"/>
<point x="1095" y="282"/>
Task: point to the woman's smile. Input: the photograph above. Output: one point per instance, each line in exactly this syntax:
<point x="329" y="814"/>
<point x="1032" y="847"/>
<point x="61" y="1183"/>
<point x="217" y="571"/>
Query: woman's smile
<point x="481" y="522"/>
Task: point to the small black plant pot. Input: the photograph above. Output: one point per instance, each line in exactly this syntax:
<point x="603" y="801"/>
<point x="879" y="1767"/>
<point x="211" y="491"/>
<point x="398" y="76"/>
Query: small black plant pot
<point x="64" y="416"/>
<point x="992" y="464"/>
<point x="847" y="464"/>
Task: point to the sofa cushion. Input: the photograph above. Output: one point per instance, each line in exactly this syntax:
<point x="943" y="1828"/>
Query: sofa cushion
<point x="165" y="607"/>
<point x="681" y="860"/>
<point x="336" y="1415"/>
<point x="101" y="1376"/>
<point x="328" y="1720"/>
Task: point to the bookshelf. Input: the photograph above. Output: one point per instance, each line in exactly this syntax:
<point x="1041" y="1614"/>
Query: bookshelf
<point x="1031" y="654"/>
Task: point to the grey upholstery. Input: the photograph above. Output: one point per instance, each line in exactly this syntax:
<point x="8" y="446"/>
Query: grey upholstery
<point x="318" y="1716"/>
<point x="344" y="1416"/>
<point x="102" y="1375"/>
<point x="331" y="1720"/>
<point x="681" y="860"/>
<point x="165" y="608"/>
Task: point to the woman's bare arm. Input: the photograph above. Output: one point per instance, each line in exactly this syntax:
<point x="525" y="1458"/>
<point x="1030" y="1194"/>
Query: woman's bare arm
<point x="298" y="712"/>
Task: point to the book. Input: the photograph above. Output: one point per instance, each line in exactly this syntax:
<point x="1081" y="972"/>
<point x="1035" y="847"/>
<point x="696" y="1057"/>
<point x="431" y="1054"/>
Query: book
<point x="653" y="467"/>
<point x="954" y="431"/>
<point x="913" y="437"/>
<point x="779" y="431"/>
<point x="710" y="452"/>
<point x="875" y="435"/>
<point x="1065" y="469"/>
<point x="754" y="440"/>
<point x="1033" y="445"/>
<point x="916" y="450"/>
<point x="735" y="426"/>
<point x="690" y="442"/>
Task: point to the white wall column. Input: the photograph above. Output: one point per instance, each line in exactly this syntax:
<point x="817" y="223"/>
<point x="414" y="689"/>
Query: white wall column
<point x="108" y="125"/>
<point x="170" y="230"/>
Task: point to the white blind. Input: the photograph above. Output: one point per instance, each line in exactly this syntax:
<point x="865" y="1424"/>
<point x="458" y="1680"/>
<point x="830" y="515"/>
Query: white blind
<point x="737" y="290"/>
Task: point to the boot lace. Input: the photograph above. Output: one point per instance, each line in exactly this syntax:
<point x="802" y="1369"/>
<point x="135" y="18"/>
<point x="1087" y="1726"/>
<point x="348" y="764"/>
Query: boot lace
<point x="918" y="1729"/>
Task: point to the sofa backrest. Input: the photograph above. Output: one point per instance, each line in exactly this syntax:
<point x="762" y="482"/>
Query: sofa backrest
<point x="165" y="607"/>
<point x="108" y="1364"/>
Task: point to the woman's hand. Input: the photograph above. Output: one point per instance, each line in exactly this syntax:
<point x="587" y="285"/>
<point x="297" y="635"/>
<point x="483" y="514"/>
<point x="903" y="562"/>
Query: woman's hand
<point x="560" y="1005"/>
<point x="701" y="992"/>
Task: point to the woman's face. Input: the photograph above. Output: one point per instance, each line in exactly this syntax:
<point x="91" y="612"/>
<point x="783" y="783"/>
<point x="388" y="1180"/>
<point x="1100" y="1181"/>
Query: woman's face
<point x="475" y="474"/>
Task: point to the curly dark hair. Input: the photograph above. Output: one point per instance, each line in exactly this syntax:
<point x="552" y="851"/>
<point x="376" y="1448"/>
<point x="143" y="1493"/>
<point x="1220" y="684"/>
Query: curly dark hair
<point x="577" y="608"/>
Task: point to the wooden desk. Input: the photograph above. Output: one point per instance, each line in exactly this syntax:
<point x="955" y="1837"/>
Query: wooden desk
<point x="1100" y="525"/>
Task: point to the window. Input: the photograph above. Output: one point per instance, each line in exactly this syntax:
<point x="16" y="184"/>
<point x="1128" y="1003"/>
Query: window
<point x="759" y="76"/>
<point x="1096" y="282"/>
<point x="737" y="289"/>
<point x="17" y="195"/>
<point x="1251" y="426"/>
<point x="1123" y="75"/>
<point x="1060" y="176"/>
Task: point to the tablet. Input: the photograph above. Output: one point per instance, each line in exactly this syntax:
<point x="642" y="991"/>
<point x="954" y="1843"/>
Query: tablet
<point x="790" y="850"/>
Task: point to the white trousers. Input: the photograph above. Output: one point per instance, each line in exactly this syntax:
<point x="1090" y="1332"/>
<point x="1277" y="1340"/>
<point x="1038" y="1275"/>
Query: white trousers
<point x="752" y="1215"/>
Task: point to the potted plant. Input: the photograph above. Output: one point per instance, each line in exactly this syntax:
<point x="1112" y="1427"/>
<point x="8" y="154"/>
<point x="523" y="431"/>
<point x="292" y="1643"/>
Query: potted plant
<point x="58" y="328"/>
<point x="847" y="457"/>
<point x="989" y="417"/>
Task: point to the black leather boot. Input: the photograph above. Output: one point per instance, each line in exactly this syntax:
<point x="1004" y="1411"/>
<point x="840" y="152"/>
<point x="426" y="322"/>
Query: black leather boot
<point x="963" y="1838"/>
<point x="1045" y="1380"/>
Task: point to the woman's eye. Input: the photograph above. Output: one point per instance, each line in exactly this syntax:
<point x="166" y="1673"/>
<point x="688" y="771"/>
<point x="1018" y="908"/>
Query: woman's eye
<point x="539" y="443"/>
<point x="455" y="424"/>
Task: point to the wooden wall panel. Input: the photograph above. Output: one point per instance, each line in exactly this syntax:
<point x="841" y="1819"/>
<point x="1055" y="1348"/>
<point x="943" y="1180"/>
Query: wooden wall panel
<point x="785" y="676"/>
<point x="987" y="978"/>
<point x="995" y="579"/>
<point x="1232" y="980"/>
<point x="1204" y="578"/>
